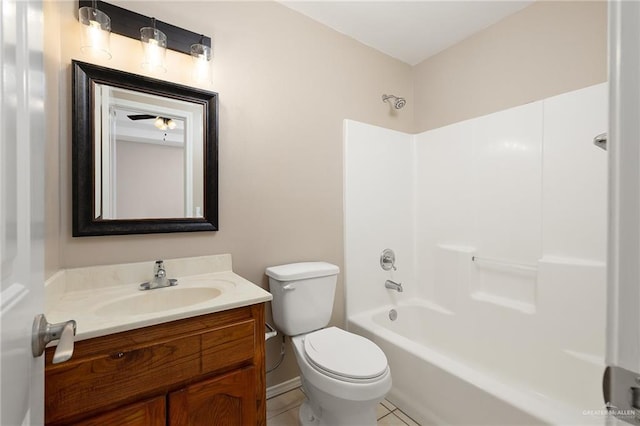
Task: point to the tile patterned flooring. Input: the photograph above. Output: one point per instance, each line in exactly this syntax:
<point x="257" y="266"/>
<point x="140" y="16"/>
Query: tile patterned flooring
<point x="282" y="410"/>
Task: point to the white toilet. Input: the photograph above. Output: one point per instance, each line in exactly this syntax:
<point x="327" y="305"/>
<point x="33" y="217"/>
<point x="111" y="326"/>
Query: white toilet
<point x="344" y="376"/>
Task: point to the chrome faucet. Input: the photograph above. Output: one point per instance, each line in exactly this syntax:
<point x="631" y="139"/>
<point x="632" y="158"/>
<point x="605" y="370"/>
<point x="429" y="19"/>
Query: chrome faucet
<point x="159" y="278"/>
<point x="393" y="285"/>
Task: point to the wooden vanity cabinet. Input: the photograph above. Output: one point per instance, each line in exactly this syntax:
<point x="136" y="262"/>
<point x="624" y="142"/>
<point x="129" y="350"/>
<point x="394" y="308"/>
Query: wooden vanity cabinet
<point x="205" y="370"/>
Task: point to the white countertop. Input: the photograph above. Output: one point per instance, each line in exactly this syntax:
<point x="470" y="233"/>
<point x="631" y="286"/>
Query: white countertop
<point x="100" y="310"/>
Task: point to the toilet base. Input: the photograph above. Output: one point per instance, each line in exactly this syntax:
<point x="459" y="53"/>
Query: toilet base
<point x="306" y="415"/>
<point x="322" y="409"/>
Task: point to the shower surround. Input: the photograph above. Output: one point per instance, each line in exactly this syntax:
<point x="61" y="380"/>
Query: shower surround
<point x="499" y="228"/>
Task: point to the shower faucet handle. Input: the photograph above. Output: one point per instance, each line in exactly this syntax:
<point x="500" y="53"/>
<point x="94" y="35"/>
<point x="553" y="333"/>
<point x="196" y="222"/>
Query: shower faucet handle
<point x="388" y="260"/>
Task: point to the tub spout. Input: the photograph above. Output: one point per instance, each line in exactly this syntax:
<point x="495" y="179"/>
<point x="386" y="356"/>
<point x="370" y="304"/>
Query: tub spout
<point x="393" y="285"/>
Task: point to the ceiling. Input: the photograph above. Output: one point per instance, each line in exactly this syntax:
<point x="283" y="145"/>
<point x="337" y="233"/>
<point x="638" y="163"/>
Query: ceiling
<point x="410" y="31"/>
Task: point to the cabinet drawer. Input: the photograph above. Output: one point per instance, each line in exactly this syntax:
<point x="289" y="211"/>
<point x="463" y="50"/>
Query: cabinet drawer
<point x="86" y="384"/>
<point x="228" y="346"/>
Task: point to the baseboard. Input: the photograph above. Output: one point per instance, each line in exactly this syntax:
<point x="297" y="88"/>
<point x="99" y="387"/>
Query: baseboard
<point x="283" y="387"/>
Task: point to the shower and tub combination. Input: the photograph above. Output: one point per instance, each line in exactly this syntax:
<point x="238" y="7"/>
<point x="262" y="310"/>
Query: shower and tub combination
<point x="498" y="227"/>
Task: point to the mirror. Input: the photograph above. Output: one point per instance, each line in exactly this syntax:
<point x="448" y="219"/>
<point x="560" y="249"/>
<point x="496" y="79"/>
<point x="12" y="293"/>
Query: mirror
<point x="145" y="154"/>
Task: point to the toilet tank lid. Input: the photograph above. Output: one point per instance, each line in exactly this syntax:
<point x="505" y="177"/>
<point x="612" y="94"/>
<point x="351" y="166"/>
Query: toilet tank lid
<point x="302" y="270"/>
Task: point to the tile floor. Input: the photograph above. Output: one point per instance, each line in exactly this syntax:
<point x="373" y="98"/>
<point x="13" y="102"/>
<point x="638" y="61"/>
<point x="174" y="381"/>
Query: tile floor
<point x="282" y="410"/>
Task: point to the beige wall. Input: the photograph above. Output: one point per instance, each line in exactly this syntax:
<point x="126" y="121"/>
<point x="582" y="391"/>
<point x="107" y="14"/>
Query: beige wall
<point x="285" y="84"/>
<point x="548" y="48"/>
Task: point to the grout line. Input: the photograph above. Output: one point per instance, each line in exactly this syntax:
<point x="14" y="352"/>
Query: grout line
<point x="406" y="415"/>
<point x="387" y="404"/>
<point x="271" y="413"/>
<point x="391" y="414"/>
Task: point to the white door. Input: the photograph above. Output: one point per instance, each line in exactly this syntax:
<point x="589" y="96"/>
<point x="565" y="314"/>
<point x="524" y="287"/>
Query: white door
<point x="21" y="209"/>
<point x="622" y="378"/>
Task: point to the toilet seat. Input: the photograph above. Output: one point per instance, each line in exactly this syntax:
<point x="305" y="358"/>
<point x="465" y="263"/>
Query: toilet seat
<point x="345" y="356"/>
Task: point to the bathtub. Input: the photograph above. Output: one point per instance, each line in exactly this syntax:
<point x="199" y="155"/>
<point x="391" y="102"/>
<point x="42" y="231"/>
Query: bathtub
<point x="447" y="372"/>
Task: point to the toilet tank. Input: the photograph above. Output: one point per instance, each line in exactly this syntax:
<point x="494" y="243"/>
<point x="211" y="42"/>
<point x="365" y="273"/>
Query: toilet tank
<point x="302" y="295"/>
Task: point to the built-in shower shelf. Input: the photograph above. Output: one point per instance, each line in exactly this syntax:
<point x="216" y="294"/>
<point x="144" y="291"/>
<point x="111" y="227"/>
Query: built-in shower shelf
<point x="517" y="305"/>
<point x="501" y="263"/>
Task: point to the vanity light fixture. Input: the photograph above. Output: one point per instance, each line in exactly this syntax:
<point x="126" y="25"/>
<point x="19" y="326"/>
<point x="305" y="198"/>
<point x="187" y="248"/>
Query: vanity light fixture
<point x="154" y="47"/>
<point x="155" y="39"/>
<point x="96" y="31"/>
<point x="201" y="56"/>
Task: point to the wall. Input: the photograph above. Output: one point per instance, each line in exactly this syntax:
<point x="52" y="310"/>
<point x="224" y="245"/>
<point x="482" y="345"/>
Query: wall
<point x="526" y="187"/>
<point x="478" y="190"/>
<point x="285" y="84"/>
<point x="153" y="190"/>
<point x="53" y="171"/>
<point x="548" y="48"/>
<point x="378" y="213"/>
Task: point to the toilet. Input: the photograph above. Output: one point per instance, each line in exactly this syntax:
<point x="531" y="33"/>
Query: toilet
<point x="344" y="376"/>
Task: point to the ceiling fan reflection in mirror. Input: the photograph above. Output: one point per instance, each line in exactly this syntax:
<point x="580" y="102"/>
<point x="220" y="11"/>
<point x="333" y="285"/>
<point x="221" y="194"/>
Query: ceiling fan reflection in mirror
<point x="162" y="123"/>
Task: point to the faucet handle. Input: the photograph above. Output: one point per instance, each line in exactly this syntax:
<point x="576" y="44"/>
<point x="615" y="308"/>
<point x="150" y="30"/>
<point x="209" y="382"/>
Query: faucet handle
<point x="388" y="260"/>
<point x="158" y="269"/>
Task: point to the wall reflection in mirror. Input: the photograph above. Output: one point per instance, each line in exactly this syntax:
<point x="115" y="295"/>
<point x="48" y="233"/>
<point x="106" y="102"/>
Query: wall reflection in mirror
<point x="149" y="156"/>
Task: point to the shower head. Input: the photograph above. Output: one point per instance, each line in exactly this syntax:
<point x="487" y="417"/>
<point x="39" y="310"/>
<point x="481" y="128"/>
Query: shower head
<point x="397" y="103"/>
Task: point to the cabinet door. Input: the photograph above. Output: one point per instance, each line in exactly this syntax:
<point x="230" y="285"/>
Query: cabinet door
<point x="147" y="413"/>
<point x="225" y="400"/>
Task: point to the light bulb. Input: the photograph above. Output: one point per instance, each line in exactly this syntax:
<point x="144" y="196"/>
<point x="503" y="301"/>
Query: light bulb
<point x="154" y="46"/>
<point x="159" y="123"/>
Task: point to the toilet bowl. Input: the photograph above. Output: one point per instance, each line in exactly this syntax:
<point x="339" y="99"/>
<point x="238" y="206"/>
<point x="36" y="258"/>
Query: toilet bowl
<point x="344" y="376"/>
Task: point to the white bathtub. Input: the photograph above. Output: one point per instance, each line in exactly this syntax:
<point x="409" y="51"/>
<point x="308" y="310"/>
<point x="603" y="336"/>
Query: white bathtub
<point x="448" y="372"/>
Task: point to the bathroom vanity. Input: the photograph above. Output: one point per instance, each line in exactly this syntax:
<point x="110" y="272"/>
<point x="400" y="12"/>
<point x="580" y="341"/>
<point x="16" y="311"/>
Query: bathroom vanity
<point x="199" y="364"/>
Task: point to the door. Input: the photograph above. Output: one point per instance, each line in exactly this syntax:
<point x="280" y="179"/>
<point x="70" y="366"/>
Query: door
<point x="151" y="412"/>
<point x="21" y="209"/>
<point x="228" y="400"/>
<point x="622" y="377"/>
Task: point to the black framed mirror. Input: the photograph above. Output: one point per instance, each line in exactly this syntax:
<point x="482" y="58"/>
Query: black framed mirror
<point x="144" y="154"/>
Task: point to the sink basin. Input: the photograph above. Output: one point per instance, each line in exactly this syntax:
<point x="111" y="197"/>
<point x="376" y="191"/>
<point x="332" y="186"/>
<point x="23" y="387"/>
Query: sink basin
<point x="158" y="300"/>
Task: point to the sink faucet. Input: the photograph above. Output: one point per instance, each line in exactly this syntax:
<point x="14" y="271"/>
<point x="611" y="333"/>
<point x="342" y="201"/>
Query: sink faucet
<point x="393" y="285"/>
<point x="159" y="278"/>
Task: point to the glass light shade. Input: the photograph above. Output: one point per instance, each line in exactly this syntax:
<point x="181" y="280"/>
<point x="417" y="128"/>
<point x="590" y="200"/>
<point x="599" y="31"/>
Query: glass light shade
<point x="201" y="56"/>
<point x="154" y="46"/>
<point x="96" y="32"/>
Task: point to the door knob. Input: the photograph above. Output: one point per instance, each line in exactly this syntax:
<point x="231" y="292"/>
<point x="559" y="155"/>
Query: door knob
<point x="44" y="332"/>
